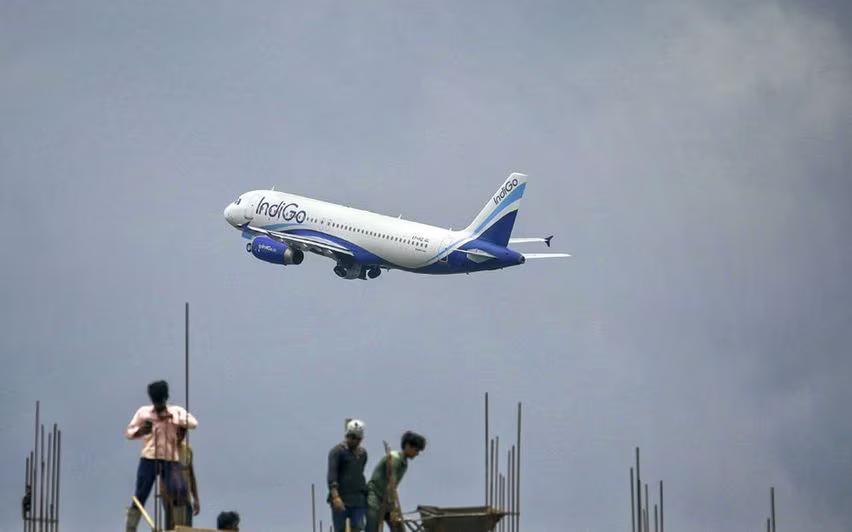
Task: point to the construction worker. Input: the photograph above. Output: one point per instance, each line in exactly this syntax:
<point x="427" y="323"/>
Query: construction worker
<point x="379" y="497"/>
<point x="180" y="507"/>
<point x="157" y="425"/>
<point x="228" y="521"/>
<point x="347" y="487"/>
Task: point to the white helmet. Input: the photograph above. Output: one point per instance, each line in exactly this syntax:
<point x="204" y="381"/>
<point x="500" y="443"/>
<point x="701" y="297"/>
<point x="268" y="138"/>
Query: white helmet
<point x="355" y="427"/>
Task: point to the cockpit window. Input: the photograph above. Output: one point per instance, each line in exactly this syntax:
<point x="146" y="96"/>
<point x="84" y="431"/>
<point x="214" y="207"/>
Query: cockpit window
<point x="238" y="201"/>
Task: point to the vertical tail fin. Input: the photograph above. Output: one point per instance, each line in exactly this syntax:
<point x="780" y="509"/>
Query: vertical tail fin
<point x="494" y="223"/>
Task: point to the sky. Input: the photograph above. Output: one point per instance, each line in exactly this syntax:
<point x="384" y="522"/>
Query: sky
<point x="693" y="156"/>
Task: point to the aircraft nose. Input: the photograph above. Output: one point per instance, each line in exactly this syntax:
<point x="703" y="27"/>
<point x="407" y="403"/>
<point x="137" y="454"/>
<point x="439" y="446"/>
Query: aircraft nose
<point x="231" y="214"/>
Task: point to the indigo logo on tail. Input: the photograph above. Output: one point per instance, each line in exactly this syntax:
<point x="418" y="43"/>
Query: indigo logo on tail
<point x="505" y="189"/>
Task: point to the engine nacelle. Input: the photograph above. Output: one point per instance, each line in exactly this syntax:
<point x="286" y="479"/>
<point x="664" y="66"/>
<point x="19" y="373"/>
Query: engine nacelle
<point x="271" y="250"/>
<point x="353" y="271"/>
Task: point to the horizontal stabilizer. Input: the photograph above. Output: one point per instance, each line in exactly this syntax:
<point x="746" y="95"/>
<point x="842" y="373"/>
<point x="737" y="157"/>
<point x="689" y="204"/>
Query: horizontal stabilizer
<point x="545" y="255"/>
<point x="546" y="240"/>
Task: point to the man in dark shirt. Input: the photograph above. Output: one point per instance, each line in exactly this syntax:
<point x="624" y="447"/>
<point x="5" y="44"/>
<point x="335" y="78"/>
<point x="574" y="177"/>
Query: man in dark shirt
<point x="347" y="487"/>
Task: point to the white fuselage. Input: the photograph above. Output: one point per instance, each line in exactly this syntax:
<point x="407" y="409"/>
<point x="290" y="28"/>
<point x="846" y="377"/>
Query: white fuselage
<point x="401" y="243"/>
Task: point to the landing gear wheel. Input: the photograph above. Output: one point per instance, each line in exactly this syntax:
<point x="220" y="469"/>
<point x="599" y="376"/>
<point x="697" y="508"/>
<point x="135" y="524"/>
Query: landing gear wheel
<point x="248" y="247"/>
<point x="374" y="272"/>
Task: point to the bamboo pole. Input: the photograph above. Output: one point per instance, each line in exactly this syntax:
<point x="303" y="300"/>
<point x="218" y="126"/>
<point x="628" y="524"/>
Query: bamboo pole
<point x="145" y="514"/>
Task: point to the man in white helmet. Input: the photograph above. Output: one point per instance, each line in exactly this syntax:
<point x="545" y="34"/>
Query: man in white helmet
<point x="347" y="486"/>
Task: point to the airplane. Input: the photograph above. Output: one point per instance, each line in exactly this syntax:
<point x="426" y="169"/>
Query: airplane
<point x="281" y="227"/>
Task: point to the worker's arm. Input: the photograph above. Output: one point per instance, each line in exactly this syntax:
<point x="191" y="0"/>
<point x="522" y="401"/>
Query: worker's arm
<point x="382" y="468"/>
<point x="193" y="486"/>
<point x="183" y="418"/>
<point x="332" y="478"/>
<point x="138" y="426"/>
<point x="398" y="469"/>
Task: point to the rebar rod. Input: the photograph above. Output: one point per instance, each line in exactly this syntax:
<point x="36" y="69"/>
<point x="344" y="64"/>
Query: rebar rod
<point x="186" y="353"/>
<point x="500" y="499"/>
<point x="632" y="504"/>
<point x="662" y="519"/>
<point x="156" y="481"/>
<point x="47" y="484"/>
<point x="486" y="449"/>
<point x="497" y="470"/>
<point x="656" y="521"/>
<point x="639" y="523"/>
<point x="26" y="491"/>
<point x="491" y="476"/>
<point x="772" y="502"/>
<point x="53" y="515"/>
<point x="34" y="512"/>
<point x="33" y="495"/>
<point x="58" y="473"/>
<point x="41" y="484"/>
<point x="511" y="524"/>
<point x="518" y="476"/>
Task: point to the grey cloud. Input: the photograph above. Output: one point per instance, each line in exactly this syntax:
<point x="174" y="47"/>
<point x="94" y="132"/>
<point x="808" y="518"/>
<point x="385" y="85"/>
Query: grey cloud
<point x="692" y="156"/>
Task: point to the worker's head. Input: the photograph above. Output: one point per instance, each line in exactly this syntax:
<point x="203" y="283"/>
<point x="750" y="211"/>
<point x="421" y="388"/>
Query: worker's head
<point x="158" y="391"/>
<point x="228" y="521"/>
<point x="354" y="432"/>
<point x="412" y="444"/>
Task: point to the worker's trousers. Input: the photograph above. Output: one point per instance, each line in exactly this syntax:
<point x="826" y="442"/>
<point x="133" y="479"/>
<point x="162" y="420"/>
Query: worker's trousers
<point x="170" y="472"/>
<point x="375" y="522"/>
<point x="357" y="516"/>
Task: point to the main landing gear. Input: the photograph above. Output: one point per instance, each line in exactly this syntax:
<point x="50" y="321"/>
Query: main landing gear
<point x="372" y="273"/>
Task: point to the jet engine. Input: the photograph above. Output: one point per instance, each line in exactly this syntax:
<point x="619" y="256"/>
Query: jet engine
<point x="351" y="271"/>
<point x="271" y="250"/>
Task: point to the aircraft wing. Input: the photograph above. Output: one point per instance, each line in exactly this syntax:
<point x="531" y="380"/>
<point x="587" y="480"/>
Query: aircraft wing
<point x="545" y="255"/>
<point x="546" y="240"/>
<point x="305" y="243"/>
